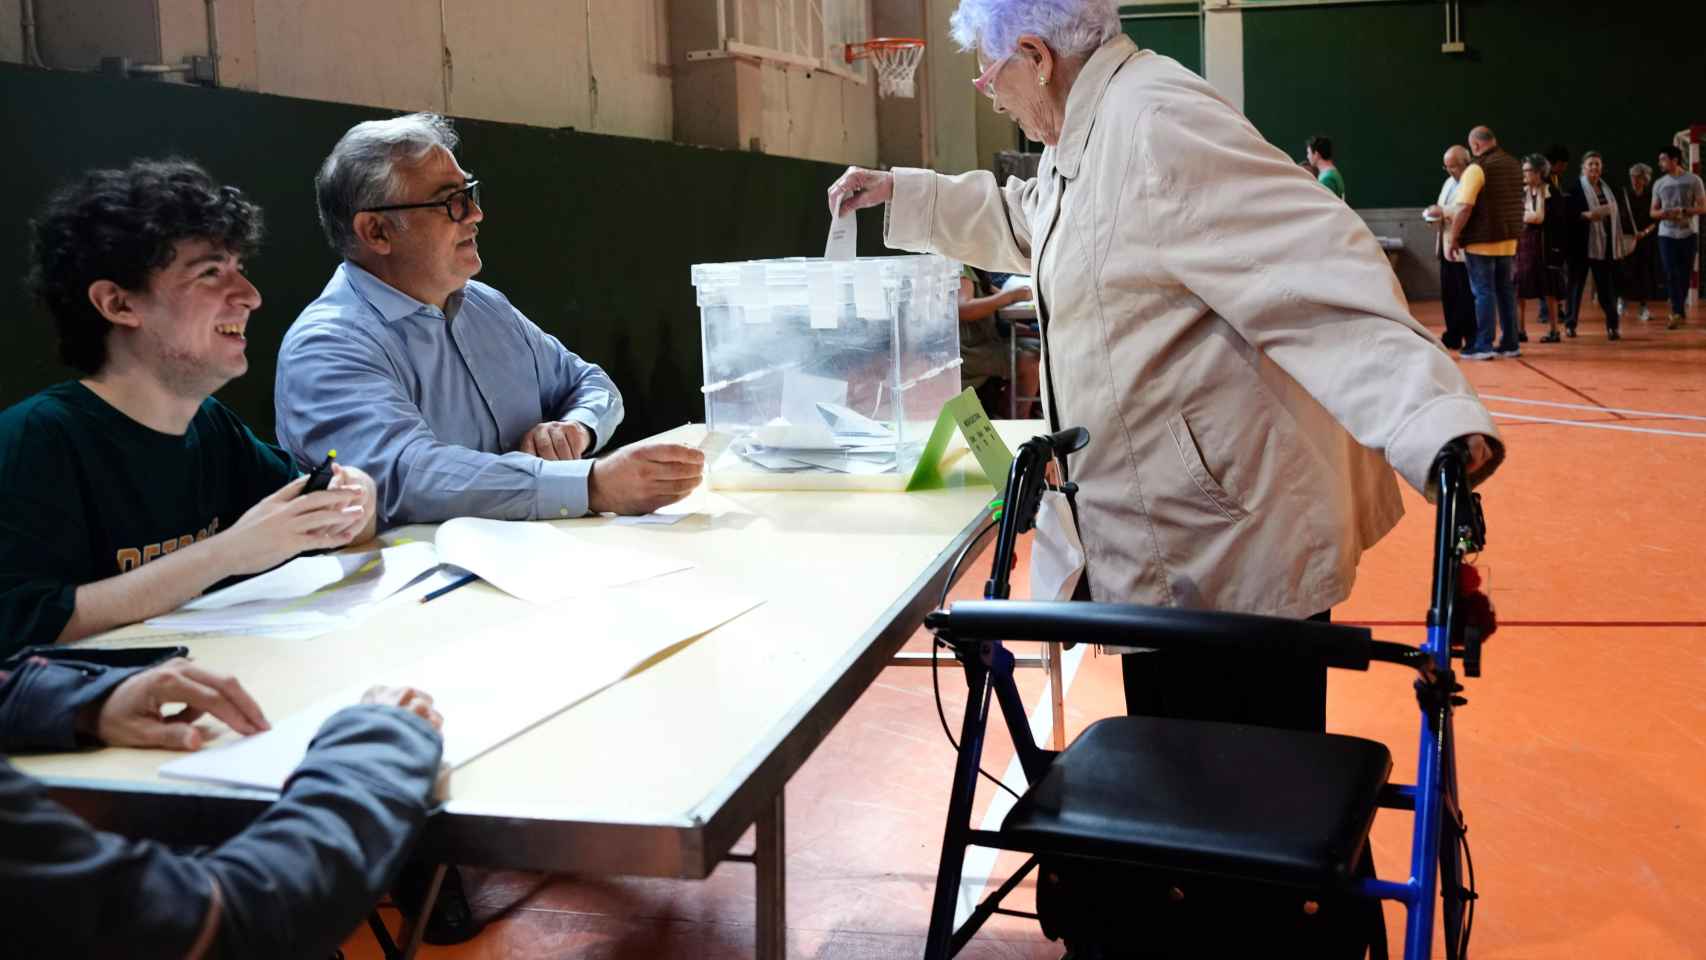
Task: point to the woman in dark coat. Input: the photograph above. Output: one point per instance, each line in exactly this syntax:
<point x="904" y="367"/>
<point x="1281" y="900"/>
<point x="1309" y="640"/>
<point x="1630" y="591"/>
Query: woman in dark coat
<point x="1640" y="268"/>
<point x="1539" y="254"/>
<point x="1596" y="235"/>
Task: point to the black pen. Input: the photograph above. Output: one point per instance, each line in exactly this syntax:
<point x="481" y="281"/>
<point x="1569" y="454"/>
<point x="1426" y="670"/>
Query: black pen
<point x="321" y="476"/>
<point x="441" y="591"/>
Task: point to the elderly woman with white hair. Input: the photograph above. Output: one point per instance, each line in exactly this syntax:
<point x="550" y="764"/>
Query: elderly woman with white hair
<point x="1640" y="269"/>
<point x="1231" y="335"/>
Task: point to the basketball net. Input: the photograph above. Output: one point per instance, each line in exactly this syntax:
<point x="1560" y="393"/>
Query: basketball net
<point x="896" y="61"/>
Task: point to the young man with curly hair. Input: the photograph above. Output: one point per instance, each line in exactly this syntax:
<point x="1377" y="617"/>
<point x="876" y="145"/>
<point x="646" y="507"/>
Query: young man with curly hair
<point x="131" y="490"/>
<point x="128" y="491"/>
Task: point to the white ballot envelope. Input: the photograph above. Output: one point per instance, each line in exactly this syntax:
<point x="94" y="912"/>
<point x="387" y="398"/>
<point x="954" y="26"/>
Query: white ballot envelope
<point x="1057" y="555"/>
<point x="843" y="242"/>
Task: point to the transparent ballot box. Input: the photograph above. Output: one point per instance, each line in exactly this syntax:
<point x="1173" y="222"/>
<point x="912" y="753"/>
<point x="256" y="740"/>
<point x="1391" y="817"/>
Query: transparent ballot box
<point x="826" y="374"/>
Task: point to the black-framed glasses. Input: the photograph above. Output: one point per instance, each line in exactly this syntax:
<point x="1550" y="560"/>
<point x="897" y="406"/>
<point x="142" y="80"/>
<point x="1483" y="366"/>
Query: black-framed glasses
<point x="457" y="204"/>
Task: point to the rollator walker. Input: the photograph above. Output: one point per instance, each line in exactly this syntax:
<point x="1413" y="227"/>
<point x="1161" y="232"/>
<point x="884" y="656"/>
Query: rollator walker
<point x="1146" y="828"/>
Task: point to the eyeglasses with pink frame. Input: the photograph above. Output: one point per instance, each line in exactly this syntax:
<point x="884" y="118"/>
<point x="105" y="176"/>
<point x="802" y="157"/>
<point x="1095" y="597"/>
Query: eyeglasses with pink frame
<point x="985" y="81"/>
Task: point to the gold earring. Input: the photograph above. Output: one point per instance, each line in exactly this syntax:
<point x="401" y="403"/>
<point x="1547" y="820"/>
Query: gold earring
<point x="1042" y="79"/>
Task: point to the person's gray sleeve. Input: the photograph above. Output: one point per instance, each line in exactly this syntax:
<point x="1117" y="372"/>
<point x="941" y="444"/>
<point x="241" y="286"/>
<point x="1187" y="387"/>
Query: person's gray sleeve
<point x="573" y="389"/>
<point x="335" y="391"/>
<point x="293" y="884"/>
<point x="299" y="879"/>
<point x="42" y="689"/>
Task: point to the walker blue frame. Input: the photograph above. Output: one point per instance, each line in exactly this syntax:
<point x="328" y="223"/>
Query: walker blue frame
<point x="1438" y="832"/>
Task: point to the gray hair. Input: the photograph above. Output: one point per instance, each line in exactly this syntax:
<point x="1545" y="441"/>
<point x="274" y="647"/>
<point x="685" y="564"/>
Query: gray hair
<point x="362" y="170"/>
<point x="1071" y="27"/>
<point x="1641" y="170"/>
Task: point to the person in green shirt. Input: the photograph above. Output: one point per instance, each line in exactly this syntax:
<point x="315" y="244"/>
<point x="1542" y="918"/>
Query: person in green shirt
<point x="131" y="490"/>
<point x="1320" y="151"/>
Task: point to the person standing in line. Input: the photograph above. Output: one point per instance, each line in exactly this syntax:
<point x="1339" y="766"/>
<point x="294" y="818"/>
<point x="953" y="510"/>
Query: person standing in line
<point x="1320" y="155"/>
<point x="1456" y="298"/>
<point x="1595" y="244"/>
<point x="1486" y="227"/>
<point x="1558" y="159"/>
<point x="1640" y="267"/>
<point x="1534" y="279"/>
<point x="1678" y="198"/>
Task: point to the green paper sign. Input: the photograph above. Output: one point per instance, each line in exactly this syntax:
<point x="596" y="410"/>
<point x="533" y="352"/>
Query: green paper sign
<point x="965" y="413"/>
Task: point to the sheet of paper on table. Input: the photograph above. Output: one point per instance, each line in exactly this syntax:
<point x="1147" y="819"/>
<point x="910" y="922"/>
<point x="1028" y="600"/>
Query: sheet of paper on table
<point x="308" y="596"/>
<point x="542" y="564"/>
<point x="495" y="685"/>
<point x="701" y="502"/>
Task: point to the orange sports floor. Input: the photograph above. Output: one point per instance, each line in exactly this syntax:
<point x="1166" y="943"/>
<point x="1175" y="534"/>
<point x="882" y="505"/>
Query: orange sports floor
<point x="1580" y="751"/>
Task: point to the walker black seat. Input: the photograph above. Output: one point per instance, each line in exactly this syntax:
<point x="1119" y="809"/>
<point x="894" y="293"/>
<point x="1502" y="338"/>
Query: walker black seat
<point x="1181" y="838"/>
<point x="1256" y="803"/>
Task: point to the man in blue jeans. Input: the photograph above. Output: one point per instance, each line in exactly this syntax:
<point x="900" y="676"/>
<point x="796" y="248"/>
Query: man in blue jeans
<point x="1486" y="228"/>
<point x="1678" y="198"/>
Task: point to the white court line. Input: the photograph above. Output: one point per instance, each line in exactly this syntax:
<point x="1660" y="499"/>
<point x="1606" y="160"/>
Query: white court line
<point x="980" y="861"/>
<point x="1600" y="426"/>
<point x="1595" y="409"/>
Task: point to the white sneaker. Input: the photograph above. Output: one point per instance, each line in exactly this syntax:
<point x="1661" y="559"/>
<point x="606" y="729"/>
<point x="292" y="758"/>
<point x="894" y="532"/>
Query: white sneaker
<point x="1645" y="315"/>
<point x="1483" y="355"/>
<point x="1620" y="306"/>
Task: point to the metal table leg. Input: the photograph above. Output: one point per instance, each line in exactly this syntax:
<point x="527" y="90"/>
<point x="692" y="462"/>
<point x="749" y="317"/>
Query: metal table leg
<point x="1057" y="694"/>
<point x="1012" y="373"/>
<point x="412" y="934"/>
<point x="768" y="857"/>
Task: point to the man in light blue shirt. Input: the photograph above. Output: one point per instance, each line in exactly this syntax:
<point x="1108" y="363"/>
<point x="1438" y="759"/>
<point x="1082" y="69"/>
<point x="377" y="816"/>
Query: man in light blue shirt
<point x="437" y="386"/>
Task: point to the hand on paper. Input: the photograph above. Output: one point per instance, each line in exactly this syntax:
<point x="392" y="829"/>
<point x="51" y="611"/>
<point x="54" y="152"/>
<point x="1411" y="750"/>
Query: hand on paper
<point x="557" y="440"/>
<point x="415" y="701"/>
<point x="637" y="480"/>
<point x="132" y="717"/>
<point x="285" y="524"/>
<point x="859" y="188"/>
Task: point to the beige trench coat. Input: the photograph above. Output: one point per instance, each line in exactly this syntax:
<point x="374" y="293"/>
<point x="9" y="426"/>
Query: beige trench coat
<point x="1229" y="332"/>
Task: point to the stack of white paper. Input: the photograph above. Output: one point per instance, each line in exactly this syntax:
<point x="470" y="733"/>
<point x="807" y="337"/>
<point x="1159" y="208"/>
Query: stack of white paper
<point x="542" y="564"/>
<point x="841" y="440"/>
<point x="306" y="597"/>
<point x="493" y="686"/>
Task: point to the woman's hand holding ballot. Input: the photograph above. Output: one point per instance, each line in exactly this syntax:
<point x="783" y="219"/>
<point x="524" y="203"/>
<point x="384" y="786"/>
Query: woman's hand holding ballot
<point x="859" y="188"/>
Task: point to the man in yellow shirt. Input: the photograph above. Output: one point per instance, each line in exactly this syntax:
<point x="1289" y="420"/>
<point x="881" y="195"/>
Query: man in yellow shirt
<point x="1486" y="228"/>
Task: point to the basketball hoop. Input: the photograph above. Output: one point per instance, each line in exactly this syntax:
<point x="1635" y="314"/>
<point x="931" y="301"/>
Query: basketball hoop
<point x="896" y="59"/>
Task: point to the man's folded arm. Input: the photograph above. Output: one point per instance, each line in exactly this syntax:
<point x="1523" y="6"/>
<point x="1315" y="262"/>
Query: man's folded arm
<point x="334" y="393"/>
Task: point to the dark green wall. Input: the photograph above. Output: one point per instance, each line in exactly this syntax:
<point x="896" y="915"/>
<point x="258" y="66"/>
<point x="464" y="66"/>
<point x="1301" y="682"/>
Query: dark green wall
<point x="591" y="236"/>
<point x="1619" y="79"/>
<point x="1174" y="29"/>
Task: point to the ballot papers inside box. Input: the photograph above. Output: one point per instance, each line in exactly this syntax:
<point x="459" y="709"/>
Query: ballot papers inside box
<point x="826" y="374"/>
